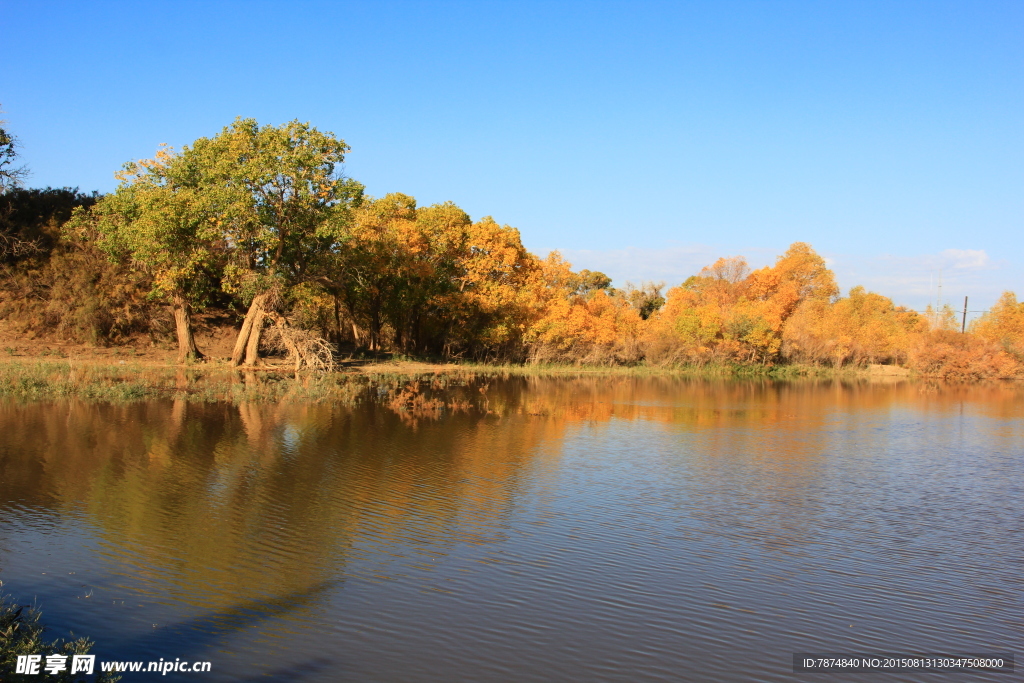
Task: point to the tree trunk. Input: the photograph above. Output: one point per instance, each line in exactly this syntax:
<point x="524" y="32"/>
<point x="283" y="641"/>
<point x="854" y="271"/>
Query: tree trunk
<point x="357" y="334"/>
<point x="183" y="326"/>
<point x="375" y="326"/>
<point x="337" y="321"/>
<point x="249" y="335"/>
<point x="252" y="348"/>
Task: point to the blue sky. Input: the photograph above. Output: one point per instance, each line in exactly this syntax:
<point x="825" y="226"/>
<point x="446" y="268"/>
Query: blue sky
<point x="644" y="139"/>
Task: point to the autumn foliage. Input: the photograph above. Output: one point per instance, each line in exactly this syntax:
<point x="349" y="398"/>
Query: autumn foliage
<point x="1004" y="325"/>
<point x="259" y="224"/>
<point x="728" y="313"/>
<point x="861" y="328"/>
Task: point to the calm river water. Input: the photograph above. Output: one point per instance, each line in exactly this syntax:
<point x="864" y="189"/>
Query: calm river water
<point x="600" y="529"/>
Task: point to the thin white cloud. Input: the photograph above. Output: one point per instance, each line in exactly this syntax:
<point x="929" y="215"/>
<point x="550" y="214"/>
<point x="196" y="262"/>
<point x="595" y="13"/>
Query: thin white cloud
<point x="936" y="279"/>
<point x="948" y="259"/>
<point x="965" y="259"/>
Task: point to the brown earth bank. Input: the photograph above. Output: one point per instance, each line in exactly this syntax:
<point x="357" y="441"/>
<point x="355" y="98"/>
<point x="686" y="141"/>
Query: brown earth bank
<point x="215" y="341"/>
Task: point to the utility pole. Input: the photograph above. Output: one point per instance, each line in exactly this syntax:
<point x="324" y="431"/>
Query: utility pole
<point x="963" y="325"/>
<point x="931" y="293"/>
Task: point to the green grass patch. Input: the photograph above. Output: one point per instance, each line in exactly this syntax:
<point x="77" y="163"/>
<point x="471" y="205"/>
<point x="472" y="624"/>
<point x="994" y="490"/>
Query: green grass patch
<point x="22" y="633"/>
<point x="47" y="380"/>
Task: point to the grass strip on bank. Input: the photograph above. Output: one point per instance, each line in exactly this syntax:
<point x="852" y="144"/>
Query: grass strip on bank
<point x="126" y="382"/>
<point x="47" y="380"/>
<point x="703" y="371"/>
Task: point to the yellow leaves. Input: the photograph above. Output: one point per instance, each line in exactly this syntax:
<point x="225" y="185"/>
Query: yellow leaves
<point x="1004" y="324"/>
<point x="164" y="155"/>
<point x="496" y="254"/>
<point x="861" y="328"/>
<point x="595" y="327"/>
<point x="727" y="312"/>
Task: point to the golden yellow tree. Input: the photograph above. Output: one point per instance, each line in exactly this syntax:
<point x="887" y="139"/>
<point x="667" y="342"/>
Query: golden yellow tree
<point x="580" y="319"/>
<point x="1004" y="324"/>
<point x="727" y="313"/>
<point x="861" y="328"/>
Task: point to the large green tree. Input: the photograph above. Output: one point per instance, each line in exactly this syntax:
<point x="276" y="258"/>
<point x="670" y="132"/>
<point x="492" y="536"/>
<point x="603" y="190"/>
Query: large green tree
<point x="258" y="209"/>
<point x="165" y="224"/>
<point x="282" y="205"/>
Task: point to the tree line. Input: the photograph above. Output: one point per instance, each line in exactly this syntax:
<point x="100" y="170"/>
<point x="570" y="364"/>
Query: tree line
<point x="259" y="222"/>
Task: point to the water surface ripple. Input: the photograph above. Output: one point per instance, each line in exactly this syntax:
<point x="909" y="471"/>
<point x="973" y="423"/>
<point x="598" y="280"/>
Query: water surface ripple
<point x="603" y="529"/>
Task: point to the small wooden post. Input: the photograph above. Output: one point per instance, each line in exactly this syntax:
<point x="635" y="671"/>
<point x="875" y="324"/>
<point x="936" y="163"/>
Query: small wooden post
<point x="963" y="325"/>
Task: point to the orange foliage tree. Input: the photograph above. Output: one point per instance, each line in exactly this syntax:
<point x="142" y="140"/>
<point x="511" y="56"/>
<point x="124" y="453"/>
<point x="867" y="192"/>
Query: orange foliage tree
<point x="994" y="348"/>
<point x="692" y="325"/>
<point x="727" y="313"/>
<point x="494" y="306"/>
<point x="580" y="319"/>
<point x="429" y="280"/>
<point x="1004" y="325"/>
<point x="861" y="328"/>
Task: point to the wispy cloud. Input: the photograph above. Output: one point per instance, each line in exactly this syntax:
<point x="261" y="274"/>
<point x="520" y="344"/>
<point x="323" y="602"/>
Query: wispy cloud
<point x="922" y="279"/>
<point x="948" y="259"/>
<point x="965" y="259"/>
